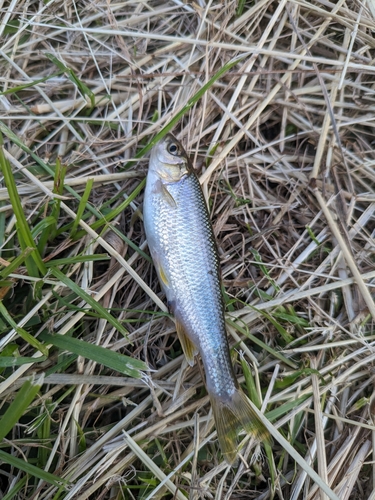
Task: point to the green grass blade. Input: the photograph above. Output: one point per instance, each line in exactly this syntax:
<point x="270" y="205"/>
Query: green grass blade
<point x="16" y="263"/>
<point x="24" y="86"/>
<point x="81" y="206"/>
<point x="16" y="489"/>
<point x="250" y="383"/>
<point x="290" y="379"/>
<point x="278" y="412"/>
<point x="111" y="359"/>
<point x="23" y="231"/>
<point x="3" y="218"/>
<point x="44" y="224"/>
<point x="264" y="269"/>
<point x="5" y="284"/>
<point x="103" y="313"/>
<point x="85" y="91"/>
<point x="47" y="234"/>
<point x="21" y="332"/>
<point x="79" y="258"/>
<point x="7" y="361"/>
<point x="288" y="338"/>
<point x="58" y="188"/>
<point x="59" y="178"/>
<point x="312" y="236"/>
<point x="31" y="266"/>
<point x="31" y="469"/>
<point x="261" y="344"/>
<point x="271" y="463"/>
<point x="292" y="318"/>
<point x="284" y="334"/>
<point x="18" y="407"/>
<point x="240" y="8"/>
<point x="113" y="213"/>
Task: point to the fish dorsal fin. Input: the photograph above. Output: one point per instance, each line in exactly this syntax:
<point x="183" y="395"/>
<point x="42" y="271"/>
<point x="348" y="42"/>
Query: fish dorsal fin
<point x="190" y="350"/>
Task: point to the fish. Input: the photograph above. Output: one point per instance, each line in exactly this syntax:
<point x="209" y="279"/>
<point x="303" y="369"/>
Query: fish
<point x="184" y="252"/>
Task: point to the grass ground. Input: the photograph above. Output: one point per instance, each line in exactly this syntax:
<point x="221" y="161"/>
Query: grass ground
<point x="275" y="103"/>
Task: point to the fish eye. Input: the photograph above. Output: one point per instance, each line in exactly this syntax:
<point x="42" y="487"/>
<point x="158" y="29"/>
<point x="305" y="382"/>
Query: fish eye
<point x="173" y="149"/>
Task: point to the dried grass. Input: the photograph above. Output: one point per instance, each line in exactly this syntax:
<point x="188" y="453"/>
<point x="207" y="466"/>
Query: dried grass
<point x="284" y="146"/>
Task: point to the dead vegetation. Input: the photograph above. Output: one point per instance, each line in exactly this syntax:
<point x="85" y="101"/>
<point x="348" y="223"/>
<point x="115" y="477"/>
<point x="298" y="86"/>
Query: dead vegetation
<point x="284" y="145"/>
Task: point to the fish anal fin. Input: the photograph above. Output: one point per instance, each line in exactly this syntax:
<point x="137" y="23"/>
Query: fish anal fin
<point x="190" y="350"/>
<point x="231" y="413"/>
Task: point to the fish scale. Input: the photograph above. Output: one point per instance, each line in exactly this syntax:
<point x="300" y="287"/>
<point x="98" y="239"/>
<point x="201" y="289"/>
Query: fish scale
<point x="183" y="248"/>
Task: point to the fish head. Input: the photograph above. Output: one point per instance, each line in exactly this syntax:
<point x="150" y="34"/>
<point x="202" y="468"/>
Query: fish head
<point x="169" y="159"/>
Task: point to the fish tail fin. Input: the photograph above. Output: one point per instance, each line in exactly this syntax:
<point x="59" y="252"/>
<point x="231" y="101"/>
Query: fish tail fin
<point x="231" y="413"/>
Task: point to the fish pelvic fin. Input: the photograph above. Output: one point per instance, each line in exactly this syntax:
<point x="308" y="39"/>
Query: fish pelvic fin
<point x="162" y="275"/>
<point x="231" y="413"/>
<point x="189" y="348"/>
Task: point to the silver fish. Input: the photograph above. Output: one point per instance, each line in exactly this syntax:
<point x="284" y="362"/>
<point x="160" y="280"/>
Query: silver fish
<point x="183" y="248"/>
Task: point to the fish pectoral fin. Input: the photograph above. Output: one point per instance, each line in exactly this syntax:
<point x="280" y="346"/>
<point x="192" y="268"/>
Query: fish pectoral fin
<point x="168" y="197"/>
<point x="165" y="194"/>
<point x="231" y="414"/>
<point x="190" y="350"/>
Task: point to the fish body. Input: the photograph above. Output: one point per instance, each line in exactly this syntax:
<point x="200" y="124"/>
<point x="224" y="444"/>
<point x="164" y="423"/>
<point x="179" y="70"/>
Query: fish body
<point x="183" y="248"/>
